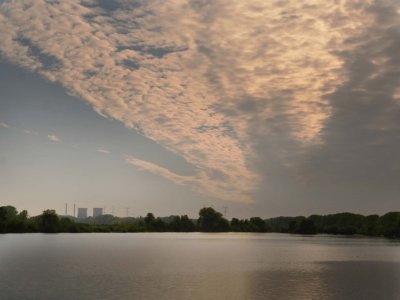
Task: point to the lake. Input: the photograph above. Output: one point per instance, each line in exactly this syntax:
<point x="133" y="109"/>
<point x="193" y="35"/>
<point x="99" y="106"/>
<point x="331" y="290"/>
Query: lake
<point x="197" y="266"/>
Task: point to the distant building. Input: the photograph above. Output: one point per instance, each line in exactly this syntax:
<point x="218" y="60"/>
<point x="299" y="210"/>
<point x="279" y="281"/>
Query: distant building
<point x="82" y="213"/>
<point x="97" y="211"/>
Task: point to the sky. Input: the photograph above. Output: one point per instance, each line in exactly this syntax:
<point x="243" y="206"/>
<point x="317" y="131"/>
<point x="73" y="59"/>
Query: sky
<point x="266" y="108"/>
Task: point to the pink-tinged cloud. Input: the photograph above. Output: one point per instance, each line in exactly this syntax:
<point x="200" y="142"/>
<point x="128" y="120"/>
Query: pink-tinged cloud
<point x="185" y="75"/>
<point x="159" y="171"/>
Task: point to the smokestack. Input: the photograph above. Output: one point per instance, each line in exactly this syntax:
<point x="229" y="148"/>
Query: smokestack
<point x="74" y="210"/>
<point x="66" y="209"/>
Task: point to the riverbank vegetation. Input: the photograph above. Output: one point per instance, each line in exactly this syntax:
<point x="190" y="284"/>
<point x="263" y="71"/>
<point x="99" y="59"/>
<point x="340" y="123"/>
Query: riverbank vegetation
<point x="210" y="220"/>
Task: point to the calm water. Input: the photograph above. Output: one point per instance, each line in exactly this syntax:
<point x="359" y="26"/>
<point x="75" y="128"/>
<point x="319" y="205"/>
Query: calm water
<point x="197" y="266"/>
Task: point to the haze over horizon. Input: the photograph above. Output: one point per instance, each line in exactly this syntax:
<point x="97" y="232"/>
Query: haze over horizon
<point x="266" y="107"/>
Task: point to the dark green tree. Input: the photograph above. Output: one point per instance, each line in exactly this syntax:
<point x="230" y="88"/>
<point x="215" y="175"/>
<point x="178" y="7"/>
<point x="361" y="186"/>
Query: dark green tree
<point x="258" y="224"/>
<point x="389" y="225"/>
<point x="187" y="225"/>
<point x="306" y="226"/>
<point x="182" y="224"/>
<point x="149" y="219"/>
<point x="8" y="218"/>
<point x="302" y="225"/>
<point x="212" y="221"/>
<point x="293" y="226"/>
<point x="49" y="221"/>
<point x="176" y="224"/>
<point x="154" y="224"/>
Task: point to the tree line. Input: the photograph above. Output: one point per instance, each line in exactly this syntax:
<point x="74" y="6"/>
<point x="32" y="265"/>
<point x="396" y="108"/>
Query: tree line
<point x="209" y="220"/>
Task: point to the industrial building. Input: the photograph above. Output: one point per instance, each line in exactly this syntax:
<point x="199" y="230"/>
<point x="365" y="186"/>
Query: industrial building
<point x="97" y="211"/>
<point x="82" y="213"/>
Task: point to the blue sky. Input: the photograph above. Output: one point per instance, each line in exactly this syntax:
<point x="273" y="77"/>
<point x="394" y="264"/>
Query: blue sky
<point x="268" y="108"/>
<point x="86" y="164"/>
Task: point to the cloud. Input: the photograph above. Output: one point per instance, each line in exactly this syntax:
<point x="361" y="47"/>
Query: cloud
<point x="360" y="137"/>
<point x="29" y="131"/>
<point x="211" y="182"/>
<point x="147" y="85"/>
<point x="104" y="151"/>
<point x="4" y="125"/>
<point x="242" y="90"/>
<point x="54" y="138"/>
<point x="159" y="171"/>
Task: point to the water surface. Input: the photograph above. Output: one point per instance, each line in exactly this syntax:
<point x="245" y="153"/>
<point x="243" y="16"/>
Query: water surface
<point x="197" y="266"/>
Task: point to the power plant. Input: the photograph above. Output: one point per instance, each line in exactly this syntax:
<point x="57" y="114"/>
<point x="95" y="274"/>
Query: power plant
<point x="97" y="211"/>
<point x="82" y="213"/>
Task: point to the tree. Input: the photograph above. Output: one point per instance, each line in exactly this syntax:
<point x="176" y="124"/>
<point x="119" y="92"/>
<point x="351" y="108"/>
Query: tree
<point x="258" y="224"/>
<point x="66" y="224"/>
<point x="293" y="226"/>
<point x="302" y="225"/>
<point x="8" y="219"/>
<point x="212" y="221"/>
<point x="389" y="225"/>
<point x="186" y="224"/>
<point x="49" y="221"/>
<point x="176" y="224"/>
<point x="306" y="226"/>
<point x="154" y="224"/>
<point x="149" y="219"/>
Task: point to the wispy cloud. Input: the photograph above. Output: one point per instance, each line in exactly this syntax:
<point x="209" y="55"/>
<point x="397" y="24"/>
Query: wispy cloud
<point x="207" y="182"/>
<point x="30" y="131"/>
<point x="159" y="171"/>
<point x="54" y="138"/>
<point x="4" y="125"/>
<point x="104" y="151"/>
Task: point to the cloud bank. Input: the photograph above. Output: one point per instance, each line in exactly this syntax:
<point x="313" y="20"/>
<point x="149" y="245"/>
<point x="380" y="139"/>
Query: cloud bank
<point x="234" y="87"/>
